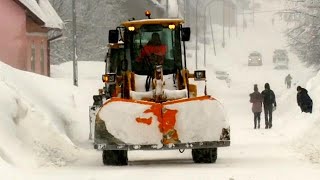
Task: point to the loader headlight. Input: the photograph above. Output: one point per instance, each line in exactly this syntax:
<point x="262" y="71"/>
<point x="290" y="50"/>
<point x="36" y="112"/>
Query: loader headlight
<point x="172" y="26"/>
<point x="109" y="78"/>
<point x="131" y="28"/>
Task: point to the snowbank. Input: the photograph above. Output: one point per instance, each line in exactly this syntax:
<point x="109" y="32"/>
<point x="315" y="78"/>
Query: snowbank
<point x="39" y="119"/>
<point x="301" y="129"/>
<point x="307" y="142"/>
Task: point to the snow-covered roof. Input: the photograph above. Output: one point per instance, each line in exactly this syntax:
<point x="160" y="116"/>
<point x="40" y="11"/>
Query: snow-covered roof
<point x="44" y="11"/>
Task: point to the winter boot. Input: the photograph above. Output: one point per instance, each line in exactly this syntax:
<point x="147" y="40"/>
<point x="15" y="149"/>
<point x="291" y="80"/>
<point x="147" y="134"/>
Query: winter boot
<point x="258" y="126"/>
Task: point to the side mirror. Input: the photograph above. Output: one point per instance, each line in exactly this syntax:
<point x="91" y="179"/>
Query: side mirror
<point x="185" y="34"/>
<point x="200" y="75"/>
<point x="113" y="36"/>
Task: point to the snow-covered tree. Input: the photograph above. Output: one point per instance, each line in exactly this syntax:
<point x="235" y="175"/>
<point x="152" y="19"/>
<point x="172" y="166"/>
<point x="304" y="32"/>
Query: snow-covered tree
<point x="303" y="33"/>
<point x="94" y="19"/>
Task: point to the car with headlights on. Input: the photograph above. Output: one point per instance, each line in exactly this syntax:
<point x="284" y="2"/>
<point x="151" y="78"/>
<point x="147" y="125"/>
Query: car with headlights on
<point x="255" y="59"/>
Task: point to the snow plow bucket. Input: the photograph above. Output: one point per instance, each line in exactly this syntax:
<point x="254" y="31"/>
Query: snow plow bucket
<point x="180" y="124"/>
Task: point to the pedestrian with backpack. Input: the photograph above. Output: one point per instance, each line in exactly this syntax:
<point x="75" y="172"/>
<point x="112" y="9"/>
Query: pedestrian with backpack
<point x="256" y="100"/>
<point x="269" y="105"/>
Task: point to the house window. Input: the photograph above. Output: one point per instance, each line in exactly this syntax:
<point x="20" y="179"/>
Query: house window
<point x="42" y="54"/>
<point x="33" y="57"/>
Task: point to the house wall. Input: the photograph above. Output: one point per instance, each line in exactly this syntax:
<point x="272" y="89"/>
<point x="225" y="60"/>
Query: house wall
<point x="13" y="39"/>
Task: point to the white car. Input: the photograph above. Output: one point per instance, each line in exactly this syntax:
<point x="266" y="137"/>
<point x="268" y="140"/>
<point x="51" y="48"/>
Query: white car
<point x="222" y="75"/>
<point x="255" y="59"/>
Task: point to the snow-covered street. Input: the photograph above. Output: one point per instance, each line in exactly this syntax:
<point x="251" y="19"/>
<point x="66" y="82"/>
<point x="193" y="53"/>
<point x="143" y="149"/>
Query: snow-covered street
<point x="44" y="122"/>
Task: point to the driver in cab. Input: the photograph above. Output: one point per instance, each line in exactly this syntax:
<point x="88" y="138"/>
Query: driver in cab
<point x="154" y="51"/>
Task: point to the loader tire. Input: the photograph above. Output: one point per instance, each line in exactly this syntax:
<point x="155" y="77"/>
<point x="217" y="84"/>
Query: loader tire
<point x="208" y="155"/>
<point x="115" y="157"/>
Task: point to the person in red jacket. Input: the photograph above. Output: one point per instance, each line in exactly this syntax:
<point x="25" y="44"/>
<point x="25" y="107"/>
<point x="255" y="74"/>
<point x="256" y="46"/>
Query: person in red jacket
<point x="154" y="51"/>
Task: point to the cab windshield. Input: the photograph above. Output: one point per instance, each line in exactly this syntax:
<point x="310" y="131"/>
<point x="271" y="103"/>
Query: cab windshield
<point x="154" y="45"/>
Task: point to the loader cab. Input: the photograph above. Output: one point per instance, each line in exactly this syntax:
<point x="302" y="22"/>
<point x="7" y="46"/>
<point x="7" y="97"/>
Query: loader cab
<point x="138" y="48"/>
<point x="152" y="42"/>
<point x="155" y="45"/>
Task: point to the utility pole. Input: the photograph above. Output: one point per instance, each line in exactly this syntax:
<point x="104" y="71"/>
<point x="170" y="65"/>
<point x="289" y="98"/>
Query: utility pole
<point x="236" y="18"/>
<point x="207" y="6"/>
<point x="74" y="44"/>
<point x="196" y="34"/>
<point x="204" y="37"/>
<point x="229" y="18"/>
<point x="243" y="20"/>
<point x="223" y="23"/>
<point x="185" y="10"/>
<point x="253" y="11"/>
<point x="214" y="46"/>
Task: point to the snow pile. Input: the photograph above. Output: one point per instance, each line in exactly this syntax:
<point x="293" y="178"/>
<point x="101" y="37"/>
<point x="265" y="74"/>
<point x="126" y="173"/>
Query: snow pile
<point x="140" y="81"/>
<point x="194" y="128"/>
<point x="39" y="122"/>
<point x="89" y="79"/>
<point x="86" y="71"/>
<point x="307" y="140"/>
<point x="175" y="94"/>
<point x="121" y="121"/>
<point x="141" y="95"/>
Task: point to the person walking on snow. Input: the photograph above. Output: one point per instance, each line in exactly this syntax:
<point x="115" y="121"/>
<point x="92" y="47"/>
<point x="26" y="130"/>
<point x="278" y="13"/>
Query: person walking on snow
<point x="303" y="99"/>
<point x="288" y="81"/>
<point x="269" y="104"/>
<point x="256" y="100"/>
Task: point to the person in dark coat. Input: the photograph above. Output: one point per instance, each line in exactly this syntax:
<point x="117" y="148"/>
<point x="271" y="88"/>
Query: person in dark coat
<point x="303" y="99"/>
<point x="288" y="81"/>
<point x="256" y="100"/>
<point x="269" y="104"/>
